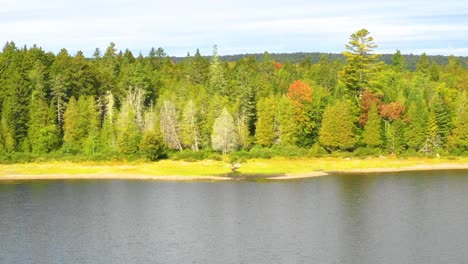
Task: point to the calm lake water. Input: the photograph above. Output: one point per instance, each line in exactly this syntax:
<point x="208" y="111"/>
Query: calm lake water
<point x="413" y="218"/>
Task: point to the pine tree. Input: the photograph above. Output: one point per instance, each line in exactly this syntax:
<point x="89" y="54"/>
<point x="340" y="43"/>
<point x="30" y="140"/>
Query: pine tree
<point x="224" y="137"/>
<point x="361" y="65"/>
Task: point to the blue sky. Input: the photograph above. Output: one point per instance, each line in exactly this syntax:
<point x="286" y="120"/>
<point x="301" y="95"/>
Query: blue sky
<point x="242" y="26"/>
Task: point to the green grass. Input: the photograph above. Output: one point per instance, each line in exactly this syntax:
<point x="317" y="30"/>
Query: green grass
<point x="210" y="167"/>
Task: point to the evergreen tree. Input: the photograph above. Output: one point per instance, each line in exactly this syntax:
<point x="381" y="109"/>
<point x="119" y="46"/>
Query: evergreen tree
<point x="399" y="62"/>
<point x="327" y="76"/>
<point x="433" y="141"/>
<point x="43" y="132"/>
<point x="108" y="131"/>
<point x="415" y="132"/>
<point x="71" y="126"/>
<point x="267" y="124"/>
<point x="361" y="65"/>
<point x="217" y="81"/>
<point x="458" y="138"/>
<point x="7" y="126"/>
<point x="89" y="124"/>
<point x="128" y="131"/>
<point x="152" y="145"/>
<point x="287" y="124"/>
<point x="337" y="131"/>
<point x="423" y="65"/>
<point x="372" y="129"/>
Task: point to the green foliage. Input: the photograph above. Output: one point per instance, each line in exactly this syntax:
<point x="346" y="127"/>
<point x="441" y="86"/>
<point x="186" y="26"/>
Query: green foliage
<point x="152" y="146"/>
<point x="372" y="129"/>
<point x="416" y="130"/>
<point x="43" y="132"/>
<point x="337" y="131"/>
<point x="128" y="132"/>
<point x="217" y="81"/>
<point x="361" y="65"/>
<point x="190" y="155"/>
<point x="458" y="138"/>
<point x="287" y="127"/>
<point x="62" y="106"/>
<point x="267" y="123"/>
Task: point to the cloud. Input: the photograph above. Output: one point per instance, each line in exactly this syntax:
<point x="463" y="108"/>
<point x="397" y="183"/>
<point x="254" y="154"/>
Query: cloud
<point x="244" y="26"/>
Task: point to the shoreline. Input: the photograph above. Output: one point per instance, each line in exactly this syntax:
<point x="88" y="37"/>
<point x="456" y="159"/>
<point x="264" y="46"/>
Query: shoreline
<point x="287" y="176"/>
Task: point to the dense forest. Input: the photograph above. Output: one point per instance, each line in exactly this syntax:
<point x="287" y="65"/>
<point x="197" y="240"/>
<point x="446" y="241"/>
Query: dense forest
<point x="116" y="105"/>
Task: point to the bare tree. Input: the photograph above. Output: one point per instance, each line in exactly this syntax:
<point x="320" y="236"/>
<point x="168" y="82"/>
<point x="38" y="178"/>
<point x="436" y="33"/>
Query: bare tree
<point x="190" y="132"/>
<point x="224" y="136"/>
<point x="170" y="125"/>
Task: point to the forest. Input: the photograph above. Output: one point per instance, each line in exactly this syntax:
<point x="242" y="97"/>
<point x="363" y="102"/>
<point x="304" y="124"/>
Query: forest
<point x="118" y="106"/>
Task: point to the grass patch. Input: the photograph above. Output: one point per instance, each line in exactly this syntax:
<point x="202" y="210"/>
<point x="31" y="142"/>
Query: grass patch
<point x="215" y="167"/>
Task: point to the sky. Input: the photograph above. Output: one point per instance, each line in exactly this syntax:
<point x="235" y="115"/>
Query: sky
<point x="241" y="26"/>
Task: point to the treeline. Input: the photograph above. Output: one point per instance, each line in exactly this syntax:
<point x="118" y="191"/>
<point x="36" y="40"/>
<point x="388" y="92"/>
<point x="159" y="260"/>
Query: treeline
<point x="314" y="57"/>
<point x="116" y="105"/>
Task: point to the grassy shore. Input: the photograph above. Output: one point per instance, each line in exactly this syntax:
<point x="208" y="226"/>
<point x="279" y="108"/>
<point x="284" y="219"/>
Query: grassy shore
<point x="218" y="170"/>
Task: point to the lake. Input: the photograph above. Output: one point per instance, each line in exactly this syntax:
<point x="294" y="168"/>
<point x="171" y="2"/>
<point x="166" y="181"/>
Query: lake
<point x="412" y="217"/>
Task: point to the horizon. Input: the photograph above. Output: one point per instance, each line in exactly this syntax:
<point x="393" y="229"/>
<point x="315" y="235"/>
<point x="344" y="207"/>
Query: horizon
<point x="246" y="27"/>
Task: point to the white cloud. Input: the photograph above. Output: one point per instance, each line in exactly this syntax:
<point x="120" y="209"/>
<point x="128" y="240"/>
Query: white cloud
<point x="246" y="25"/>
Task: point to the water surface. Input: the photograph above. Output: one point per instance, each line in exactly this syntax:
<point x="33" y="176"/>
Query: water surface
<point x="416" y="217"/>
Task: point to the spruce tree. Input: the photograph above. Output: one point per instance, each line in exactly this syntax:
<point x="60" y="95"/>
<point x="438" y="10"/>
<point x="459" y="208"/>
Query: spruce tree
<point x="267" y="123"/>
<point x="217" y="81"/>
<point x="415" y="132"/>
<point x="458" y="138"/>
<point x="71" y="126"/>
<point x="337" y="131"/>
<point x="287" y="125"/>
<point x="372" y="129"/>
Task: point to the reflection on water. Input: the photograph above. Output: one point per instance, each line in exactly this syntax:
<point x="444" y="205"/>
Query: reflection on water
<point x="390" y="218"/>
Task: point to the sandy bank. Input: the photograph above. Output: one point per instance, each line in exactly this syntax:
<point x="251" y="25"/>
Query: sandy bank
<point x="106" y="176"/>
<point x="289" y="176"/>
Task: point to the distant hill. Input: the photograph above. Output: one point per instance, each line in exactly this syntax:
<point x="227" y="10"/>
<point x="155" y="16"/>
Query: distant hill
<point x="411" y="59"/>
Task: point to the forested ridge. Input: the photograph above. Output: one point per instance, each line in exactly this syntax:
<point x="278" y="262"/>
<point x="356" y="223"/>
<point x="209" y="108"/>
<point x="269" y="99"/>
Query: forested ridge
<point x="116" y="105"/>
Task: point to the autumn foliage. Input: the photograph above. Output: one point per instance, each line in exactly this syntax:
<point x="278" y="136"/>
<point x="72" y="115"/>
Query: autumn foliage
<point x="392" y="111"/>
<point x="368" y="99"/>
<point x="300" y="93"/>
<point x="277" y="65"/>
